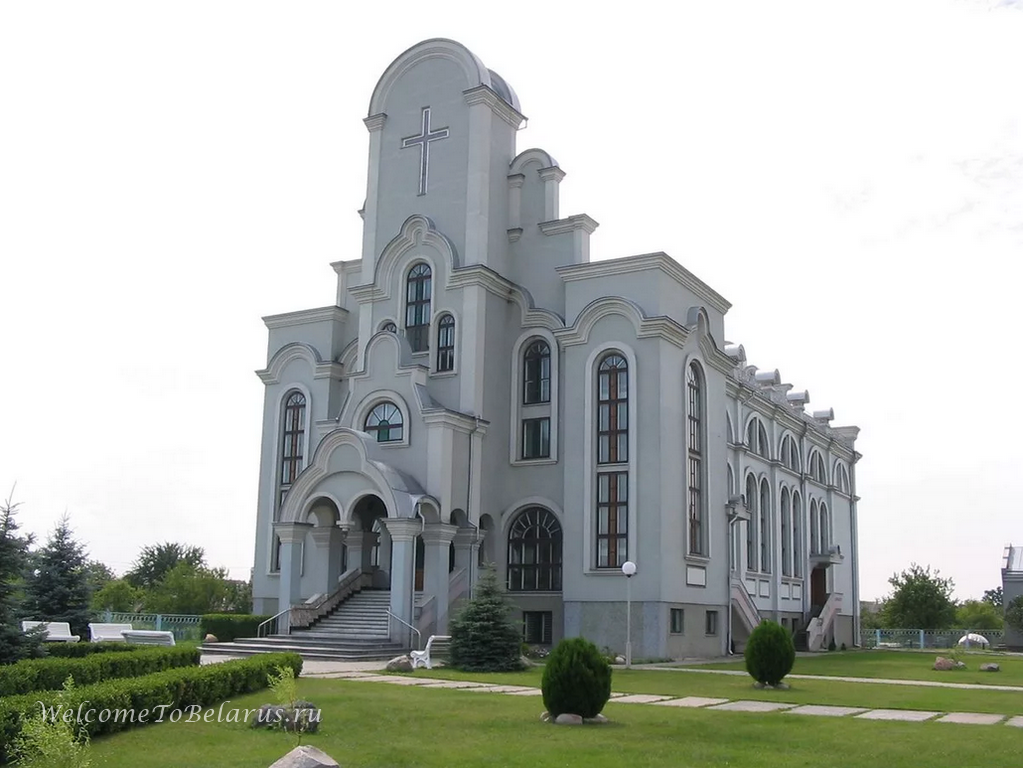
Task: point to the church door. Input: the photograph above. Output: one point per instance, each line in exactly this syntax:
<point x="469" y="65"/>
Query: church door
<point x="818" y="588"/>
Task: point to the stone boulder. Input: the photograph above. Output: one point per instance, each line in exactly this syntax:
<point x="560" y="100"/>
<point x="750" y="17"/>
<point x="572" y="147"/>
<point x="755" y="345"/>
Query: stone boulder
<point x="991" y="667"/>
<point x="597" y="719"/>
<point x="306" y="757"/>
<point x="399" y="664"/>
<point x="944" y="665"/>
<point x="210" y="639"/>
<point x="619" y="659"/>
<point x="567" y="719"/>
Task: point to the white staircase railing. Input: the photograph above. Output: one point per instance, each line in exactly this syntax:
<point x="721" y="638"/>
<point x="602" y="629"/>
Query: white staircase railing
<point x="747" y="609"/>
<point x="817" y="630"/>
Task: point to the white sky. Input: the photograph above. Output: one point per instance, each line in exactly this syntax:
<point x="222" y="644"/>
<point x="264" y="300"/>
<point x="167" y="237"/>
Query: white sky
<point x="848" y="175"/>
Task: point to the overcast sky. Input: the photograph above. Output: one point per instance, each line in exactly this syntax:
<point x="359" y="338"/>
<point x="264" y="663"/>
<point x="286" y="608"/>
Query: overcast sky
<point x="848" y="175"/>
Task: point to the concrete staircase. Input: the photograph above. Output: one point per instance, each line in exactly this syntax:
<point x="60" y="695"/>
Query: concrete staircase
<point x="357" y="630"/>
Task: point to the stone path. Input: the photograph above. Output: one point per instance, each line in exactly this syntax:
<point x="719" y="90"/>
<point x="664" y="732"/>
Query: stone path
<point x="697" y="702"/>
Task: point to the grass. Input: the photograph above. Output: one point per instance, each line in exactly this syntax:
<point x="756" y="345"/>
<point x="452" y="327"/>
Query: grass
<point x="370" y="725"/>
<point x="901" y="665"/>
<point x="871" y="695"/>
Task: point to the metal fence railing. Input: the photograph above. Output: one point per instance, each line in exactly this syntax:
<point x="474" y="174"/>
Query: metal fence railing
<point x="184" y="627"/>
<point x="931" y="638"/>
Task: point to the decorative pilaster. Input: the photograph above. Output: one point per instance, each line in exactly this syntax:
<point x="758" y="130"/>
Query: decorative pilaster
<point x="403" y="534"/>
<point x="292" y="535"/>
<point x="551" y="178"/>
<point x="327" y="568"/>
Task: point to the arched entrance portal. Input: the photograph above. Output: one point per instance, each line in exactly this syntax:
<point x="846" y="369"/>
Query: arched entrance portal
<point x="368" y="543"/>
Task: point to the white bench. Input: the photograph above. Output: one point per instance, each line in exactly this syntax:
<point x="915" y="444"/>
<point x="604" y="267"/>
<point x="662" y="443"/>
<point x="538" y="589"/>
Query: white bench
<point x="108" y="633"/>
<point x="148" y="636"/>
<point x="55" y="631"/>
<point x="436" y="644"/>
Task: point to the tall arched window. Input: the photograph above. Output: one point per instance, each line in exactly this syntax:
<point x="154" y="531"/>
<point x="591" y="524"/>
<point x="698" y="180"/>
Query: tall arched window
<point x="536" y="373"/>
<point x="765" y="527"/>
<point x="825" y="528"/>
<point x="446" y="344"/>
<point x="790" y="453"/>
<point x="694" y="418"/>
<point x="786" y="533"/>
<point x="534" y="552"/>
<point x="385" y="423"/>
<point x="418" y="295"/>
<point x="751" y="524"/>
<point x="842" y="478"/>
<point x="815" y="540"/>
<point x="817" y="469"/>
<point x="797" y="535"/>
<point x="292" y="443"/>
<point x="613" y="410"/>
<point x="756" y="438"/>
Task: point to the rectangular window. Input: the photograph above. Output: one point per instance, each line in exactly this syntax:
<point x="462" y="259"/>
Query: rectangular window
<point x="538" y="627"/>
<point x="612" y="519"/>
<point x="677" y="621"/>
<point x="712" y="622"/>
<point x="536" y="438"/>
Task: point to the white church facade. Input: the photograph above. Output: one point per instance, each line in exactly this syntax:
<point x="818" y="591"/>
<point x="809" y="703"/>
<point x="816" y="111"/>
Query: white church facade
<point x="481" y="393"/>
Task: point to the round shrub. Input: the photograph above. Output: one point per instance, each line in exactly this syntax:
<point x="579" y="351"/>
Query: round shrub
<point x="576" y="679"/>
<point x="769" y="653"/>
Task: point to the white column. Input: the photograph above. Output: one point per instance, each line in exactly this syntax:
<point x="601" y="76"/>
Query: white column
<point x="327" y="557"/>
<point x="437" y="539"/>
<point x="403" y="554"/>
<point x="291" y="535"/>
<point x="551" y="178"/>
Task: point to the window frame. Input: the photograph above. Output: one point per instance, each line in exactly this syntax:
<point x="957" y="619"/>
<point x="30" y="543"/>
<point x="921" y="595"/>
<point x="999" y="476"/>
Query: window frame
<point x="418" y="306"/>
<point x="541" y="360"/>
<point x="696" y="496"/>
<point x="711" y="623"/>
<point x="617" y="509"/>
<point x="527" y="523"/>
<point x="677" y="628"/>
<point x="375" y="429"/>
<point x="525" y="442"/>
<point x="445" y="346"/>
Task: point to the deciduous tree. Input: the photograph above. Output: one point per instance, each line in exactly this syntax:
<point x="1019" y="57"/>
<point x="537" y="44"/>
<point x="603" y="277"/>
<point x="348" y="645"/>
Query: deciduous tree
<point x="920" y="600"/>
<point x="978" y="614"/>
<point x="995" y="598"/>
<point x="156" y="561"/>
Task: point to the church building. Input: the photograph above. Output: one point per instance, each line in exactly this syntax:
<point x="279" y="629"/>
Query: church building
<point x="482" y="394"/>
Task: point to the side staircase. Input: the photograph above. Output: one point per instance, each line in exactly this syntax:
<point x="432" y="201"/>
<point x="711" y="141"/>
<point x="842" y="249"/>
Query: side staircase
<point x="357" y="630"/>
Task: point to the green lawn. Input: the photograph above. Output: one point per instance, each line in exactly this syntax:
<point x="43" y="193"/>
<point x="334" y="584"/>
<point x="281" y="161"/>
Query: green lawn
<point x="872" y="695"/>
<point x="373" y="724"/>
<point x="901" y="665"/>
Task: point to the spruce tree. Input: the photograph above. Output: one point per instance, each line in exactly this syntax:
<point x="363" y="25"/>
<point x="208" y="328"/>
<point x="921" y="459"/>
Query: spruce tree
<point x="484" y="638"/>
<point x="14" y="644"/>
<point x="58" y="585"/>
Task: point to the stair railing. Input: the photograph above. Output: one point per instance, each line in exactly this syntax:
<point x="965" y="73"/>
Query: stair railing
<point x="304" y="615"/>
<point x="419" y="642"/>
<point x="275" y="624"/>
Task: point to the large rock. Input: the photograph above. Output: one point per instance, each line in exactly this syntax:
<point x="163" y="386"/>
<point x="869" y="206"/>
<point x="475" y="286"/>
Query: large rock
<point x="944" y="665"/>
<point x="306" y="757"/>
<point x="210" y="638"/>
<point x="992" y="667"/>
<point x="597" y="719"/>
<point x="567" y="719"/>
<point x="400" y="664"/>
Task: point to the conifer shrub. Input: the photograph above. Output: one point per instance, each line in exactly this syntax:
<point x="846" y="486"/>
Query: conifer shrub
<point x="769" y="653"/>
<point x="576" y="679"/>
<point x="484" y="638"/>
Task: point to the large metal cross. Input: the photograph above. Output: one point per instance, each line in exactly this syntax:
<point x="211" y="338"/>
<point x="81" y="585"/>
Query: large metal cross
<point x="423" y="141"/>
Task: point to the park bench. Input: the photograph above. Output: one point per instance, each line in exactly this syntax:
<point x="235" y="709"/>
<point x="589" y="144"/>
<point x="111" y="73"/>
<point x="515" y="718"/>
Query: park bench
<point x="436" y="645"/>
<point x="108" y="633"/>
<point x="56" y="631"/>
<point x="148" y="636"/>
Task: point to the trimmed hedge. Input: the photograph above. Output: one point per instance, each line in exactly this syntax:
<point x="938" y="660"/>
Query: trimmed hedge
<point x="228" y="626"/>
<point x="769" y="653"/>
<point x="49" y="674"/>
<point x="81" y="650"/>
<point x="172" y="690"/>
<point x="576" y="679"/>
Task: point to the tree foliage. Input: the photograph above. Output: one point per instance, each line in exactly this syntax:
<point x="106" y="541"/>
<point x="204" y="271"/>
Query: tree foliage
<point x="14" y="557"/>
<point x="978" y="614"/>
<point x="57" y="588"/>
<point x="920" y="600"/>
<point x="156" y="561"/>
<point x="1014" y="614"/>
<point x="995" y="598"/>
<point x="118" y="596"/>
<point x="98" y="575"/>
<point x="191" y="589"/>
<point x="576" y="679"/>
<point x="769" y="653"/>
<point x="483" y="636"/>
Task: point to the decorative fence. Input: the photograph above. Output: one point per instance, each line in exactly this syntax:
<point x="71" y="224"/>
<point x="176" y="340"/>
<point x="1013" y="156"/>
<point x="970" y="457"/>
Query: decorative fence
<point x="931" y="638"/>
<point x="183" y="626"/>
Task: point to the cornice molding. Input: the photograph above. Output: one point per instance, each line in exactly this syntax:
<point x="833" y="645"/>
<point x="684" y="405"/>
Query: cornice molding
<point x="552" y="173"/>
<point x="483" y="94"/>
<point x="644" y="262"/>
<point x="459" y="422"/>
<point x="329" y="371"/>
<point x="514" y="234"/>
<point x="375" y="122"/>
<point x="306" y="317"/>
<point x="571" y="224"/>
<point x="278" y="360"/>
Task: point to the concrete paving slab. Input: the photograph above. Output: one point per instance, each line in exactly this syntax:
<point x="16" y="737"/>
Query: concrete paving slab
<point x="640" y="698"/>
<point x="1015" y="722"/>
<point x="970" y="718"/>
<point x="753" y="706"/>
<point x="825" y="711"/>
<point x="397" y="680"/>
<point x="906" y="715"/>
<point x="453" y="684"/>
<point x="526" y="692"/>
<point x="690" y="701"/>
<point x="501" y="689"/>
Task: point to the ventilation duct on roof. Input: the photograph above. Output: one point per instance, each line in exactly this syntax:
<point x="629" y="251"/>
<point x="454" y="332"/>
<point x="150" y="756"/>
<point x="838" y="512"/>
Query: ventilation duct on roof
<point x="768" y="378"/>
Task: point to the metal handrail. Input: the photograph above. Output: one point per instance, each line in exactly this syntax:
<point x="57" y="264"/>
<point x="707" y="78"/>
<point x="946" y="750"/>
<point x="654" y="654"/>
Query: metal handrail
<point x="260" y="632"/>
<point x="419" y="644"/>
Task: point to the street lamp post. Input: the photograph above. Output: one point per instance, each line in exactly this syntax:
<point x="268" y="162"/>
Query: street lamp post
<point x="629" y="569"/>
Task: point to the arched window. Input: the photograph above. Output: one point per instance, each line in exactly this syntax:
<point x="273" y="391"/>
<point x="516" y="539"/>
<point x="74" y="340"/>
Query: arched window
<point x="815" y="540"/>
<point x="613" y="410"/>
<point x="756" y="438"/>
<point x="536" y="373"/>
<point x="731" y="481"/>
<point x="694" y="403"/>
<point x="384" y="422"/>
<point x="797" y="535"/>
<point x="786" y="533"/>
<point x="751" y="524"/>
<point x="790" y="453"/>
<point x="765" y="527"/>
<point x="534" y="552"/>
<point x="842" y="478"/>
<point x="418" y="294"/>
<point x="817" y="470"/>
<point x="292" y="443"/>
<point x="825" y="529"/>
<point x="446" y="343"/>
<point x="729" y="432"/>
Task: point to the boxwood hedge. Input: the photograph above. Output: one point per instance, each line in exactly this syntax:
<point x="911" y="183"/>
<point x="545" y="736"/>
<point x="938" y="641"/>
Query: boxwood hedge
<point x="133" y="702"/>
<point x="79" y="650"/>
<point x="228" y="626"/>
<point x="49" y="674"/>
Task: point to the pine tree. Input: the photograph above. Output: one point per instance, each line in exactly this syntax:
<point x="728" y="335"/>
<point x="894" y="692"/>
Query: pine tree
<point x="484" y="638"/>
<point x="58" y="586"/>
<point x="14" y="644"/>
